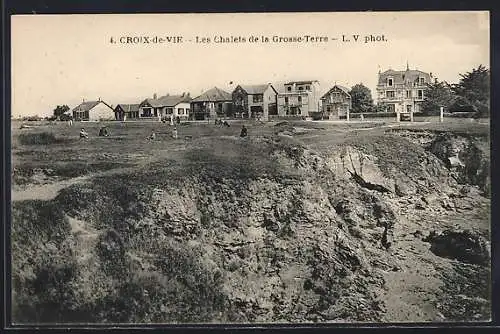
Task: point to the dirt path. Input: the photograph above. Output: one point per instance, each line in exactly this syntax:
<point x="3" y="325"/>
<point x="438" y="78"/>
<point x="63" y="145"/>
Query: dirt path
<point x="412" y="291"/>
<point x="49" y="191"/>
<point x="46" y="191"/>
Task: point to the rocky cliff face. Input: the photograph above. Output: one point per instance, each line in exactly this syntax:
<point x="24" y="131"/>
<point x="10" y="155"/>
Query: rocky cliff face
<point x="262" y="230"/>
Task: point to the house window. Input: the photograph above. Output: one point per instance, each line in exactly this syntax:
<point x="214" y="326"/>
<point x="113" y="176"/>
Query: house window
<point x="328" y="109"/>
<point x="286" y="99"/>
<point x="389" y="82"/>
<point x="420" y="94"/>
<point x="408" y="108"/>
<point x="180" y="111"/>
<point x="390" y="94"/>
<point x="289" y="88"/>
<point x="301" y="88"/>
<point x="408" y="94"/>
<point x="308" y="87"/>
<point x="188" y="111"/>
<point x="422" y="81"/>
<point x="258" y="98"/>
<point x="170" y="111"/>
<point x="299" y="99"/>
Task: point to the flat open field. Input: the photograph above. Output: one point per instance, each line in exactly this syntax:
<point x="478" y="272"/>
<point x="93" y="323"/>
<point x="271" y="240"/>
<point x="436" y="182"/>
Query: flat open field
<point x="299" y="222"/>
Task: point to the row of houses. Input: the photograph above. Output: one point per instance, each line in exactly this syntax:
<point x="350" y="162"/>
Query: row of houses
<point x="400" y="91"/>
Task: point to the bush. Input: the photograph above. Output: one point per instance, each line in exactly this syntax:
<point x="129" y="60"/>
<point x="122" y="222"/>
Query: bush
<point x="65" y="117"/>
<point x="373" y="114"/>
<point x="42" y="138"/>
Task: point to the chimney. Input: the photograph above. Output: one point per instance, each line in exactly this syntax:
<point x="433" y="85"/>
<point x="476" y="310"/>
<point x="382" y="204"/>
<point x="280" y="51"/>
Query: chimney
<point x="99" y="99"/>
<point x="83" y="100"/>
<point x="155" y="96"/>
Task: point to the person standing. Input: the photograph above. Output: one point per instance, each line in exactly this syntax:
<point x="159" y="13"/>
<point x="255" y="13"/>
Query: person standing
<point x="243" y="132"/>
<point x="174" y="133"/>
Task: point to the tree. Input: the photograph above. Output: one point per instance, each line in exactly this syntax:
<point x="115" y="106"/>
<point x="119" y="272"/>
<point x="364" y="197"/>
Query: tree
<point x="361" y="98"/>
<point x="437" y="95"/>
<point x="60" y="110"/>
<point x="474" y="87"/>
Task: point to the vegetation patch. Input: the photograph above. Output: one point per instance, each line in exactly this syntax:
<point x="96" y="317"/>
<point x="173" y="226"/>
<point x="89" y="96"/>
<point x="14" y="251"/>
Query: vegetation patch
<point x="42" y="138"/>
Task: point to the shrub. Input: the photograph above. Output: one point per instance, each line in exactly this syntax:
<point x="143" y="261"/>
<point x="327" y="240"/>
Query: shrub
<point x="373" y="114"/>
<point x="42" y="138"/>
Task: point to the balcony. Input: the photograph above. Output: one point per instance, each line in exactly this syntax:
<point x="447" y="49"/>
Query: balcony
<point x="395" y="98"/>
<point x="301" y="92"/>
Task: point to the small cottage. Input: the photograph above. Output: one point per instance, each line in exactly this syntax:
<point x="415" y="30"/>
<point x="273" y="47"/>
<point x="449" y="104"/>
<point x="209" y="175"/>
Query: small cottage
<point x="336" y="103"/>
<point x="166" y="106"/>
<point x="254" y="101"/>
<point x="213" y="103"/>
<point x="93" y="111"/>
<point x="126" y="111"/>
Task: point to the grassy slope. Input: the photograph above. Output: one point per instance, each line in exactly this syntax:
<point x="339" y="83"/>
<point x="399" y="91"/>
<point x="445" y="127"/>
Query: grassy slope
<point x="117" y="203"/>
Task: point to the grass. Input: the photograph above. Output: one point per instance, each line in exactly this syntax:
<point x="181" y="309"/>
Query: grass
<point x="42" y="138"/>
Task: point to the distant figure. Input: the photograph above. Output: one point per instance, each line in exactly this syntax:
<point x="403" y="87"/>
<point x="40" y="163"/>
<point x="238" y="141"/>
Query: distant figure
<point x="362" y="117"/>
<point x="70" y="122"/>
<point x="104" y="132"/>
<point x="83" y="133"/>
<point x="174" y="133"/>
<point x="178" y="120"/>
<point x="152" y="136"/>
<point x="171" y="120"/>
<point x="225" y="123"/>
<point x="244" y="132"/>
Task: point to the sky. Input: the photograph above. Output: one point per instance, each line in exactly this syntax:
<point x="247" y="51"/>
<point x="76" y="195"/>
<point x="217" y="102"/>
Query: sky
<point x="64" y="59"/>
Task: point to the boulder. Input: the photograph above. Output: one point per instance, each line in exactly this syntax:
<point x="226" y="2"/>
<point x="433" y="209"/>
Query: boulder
<point x="463" y="245"/>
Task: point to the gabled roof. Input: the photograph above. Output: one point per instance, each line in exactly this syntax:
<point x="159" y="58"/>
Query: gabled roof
<point x="167" y="101"/>
<point x="88" y="105"/>
<point x="342" y="88"/>
<point x="256" y="89"/>
<point x="402" y="76"/>
<point x="213" y="95"/>
<point x="128" y="107"/>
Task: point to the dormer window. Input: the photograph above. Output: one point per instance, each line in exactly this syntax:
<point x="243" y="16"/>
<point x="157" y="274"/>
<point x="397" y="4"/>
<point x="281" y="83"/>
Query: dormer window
<point x="301" y="88"/>
<point x="390" y="82"/>
<point x="421" y="81"/>
<point x="289" y="88"/>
